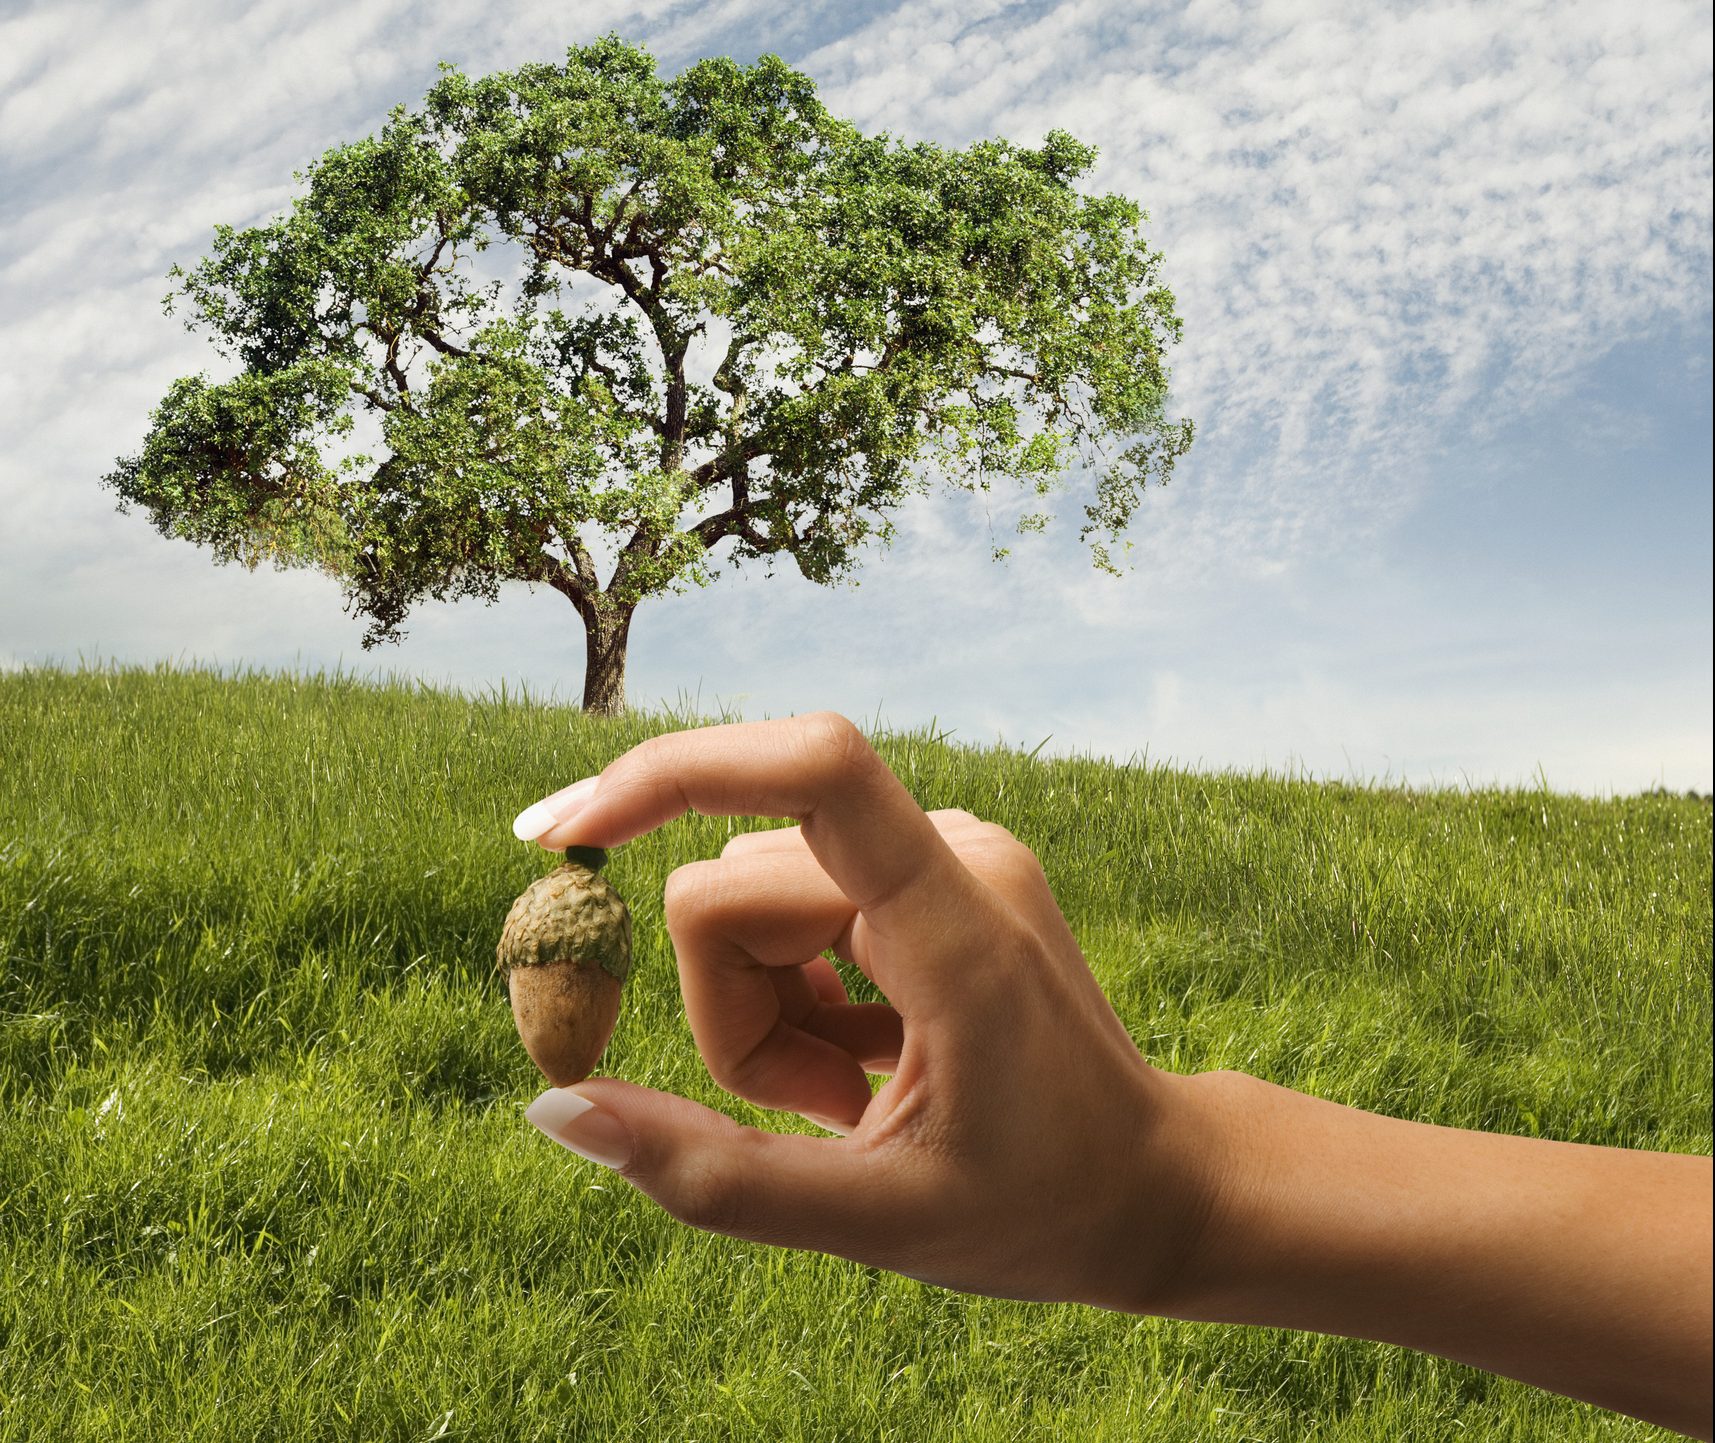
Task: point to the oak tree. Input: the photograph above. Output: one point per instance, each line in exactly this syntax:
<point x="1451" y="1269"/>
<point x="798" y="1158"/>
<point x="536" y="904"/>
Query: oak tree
<point x="581" y="326"/>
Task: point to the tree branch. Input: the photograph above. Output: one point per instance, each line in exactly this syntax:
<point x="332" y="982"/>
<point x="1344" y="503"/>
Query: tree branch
<point x="739" y="520"/>
<point x="719" y="468"/>
<point x="556" y="573"/>
<point x="376" y="398"/>
<point x="618" y="213"/>
<point x="673" y="424"/>
<point x="592" y="362"/>
<point x="616" y="272"/>
<point x="581" y="572"/>
<point x="642" y="544"/>
<point x="576" y="581"/>
<point x="391" y="363"/>
<point x="731" y="522"/>
<point x="991" y="369"/>
<point x="440" y="343"/>
<point x="547" y="244"/>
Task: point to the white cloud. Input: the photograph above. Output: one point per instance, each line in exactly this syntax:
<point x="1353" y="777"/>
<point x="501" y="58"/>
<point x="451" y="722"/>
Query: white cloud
<point x="1391" y="230"/>
<point x="1380" y="222"/>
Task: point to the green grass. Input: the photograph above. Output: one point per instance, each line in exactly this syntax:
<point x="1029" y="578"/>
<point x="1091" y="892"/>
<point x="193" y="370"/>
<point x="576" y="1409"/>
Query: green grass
<point x="262" y="1169"/>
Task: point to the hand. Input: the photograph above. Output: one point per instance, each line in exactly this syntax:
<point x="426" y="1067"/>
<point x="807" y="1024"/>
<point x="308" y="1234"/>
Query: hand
<point x="1022" y="1148"/>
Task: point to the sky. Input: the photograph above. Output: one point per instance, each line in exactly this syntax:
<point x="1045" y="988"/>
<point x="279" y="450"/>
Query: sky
<point x="1445" y="277"/>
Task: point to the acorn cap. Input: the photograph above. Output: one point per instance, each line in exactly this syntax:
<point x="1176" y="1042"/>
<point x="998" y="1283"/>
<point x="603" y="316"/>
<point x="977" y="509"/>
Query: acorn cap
<point x="571" y="915"/>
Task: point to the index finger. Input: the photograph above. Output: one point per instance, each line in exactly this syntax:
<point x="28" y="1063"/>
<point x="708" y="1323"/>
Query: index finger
<point x="857" y="818"/>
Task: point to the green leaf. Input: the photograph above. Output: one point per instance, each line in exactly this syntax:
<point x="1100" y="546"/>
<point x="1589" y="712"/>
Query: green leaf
<point x="681" y="317"/>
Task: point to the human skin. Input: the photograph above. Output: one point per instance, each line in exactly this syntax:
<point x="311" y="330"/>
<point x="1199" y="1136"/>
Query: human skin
<point x="1023" y="1148"/>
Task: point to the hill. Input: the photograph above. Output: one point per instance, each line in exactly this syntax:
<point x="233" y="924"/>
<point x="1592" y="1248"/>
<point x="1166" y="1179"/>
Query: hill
<point x="262" y="1172"/>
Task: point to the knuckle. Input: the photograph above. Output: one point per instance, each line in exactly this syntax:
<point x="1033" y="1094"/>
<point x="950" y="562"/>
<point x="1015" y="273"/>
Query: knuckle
<point x="657" y="754"/>
<point x="739" y="1074"/>
<point x="976" y="851"/>
<point x="956" y="825"/>
<point x="1021" y="862"/>
<point x="996" y="852"/>
<point x="834" y="742"/>
<point x="1009" y="869"/>
<point x="691" y="893"/>
<point x="651" y="769"/>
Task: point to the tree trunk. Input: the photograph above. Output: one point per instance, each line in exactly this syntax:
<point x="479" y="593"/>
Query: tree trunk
<point x="607" y="628"/>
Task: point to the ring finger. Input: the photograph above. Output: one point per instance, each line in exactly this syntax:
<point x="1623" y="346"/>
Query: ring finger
<point x="949" y="821"/>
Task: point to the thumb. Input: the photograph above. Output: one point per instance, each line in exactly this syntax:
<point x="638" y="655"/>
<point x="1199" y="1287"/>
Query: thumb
<point x="716" y="1175"/>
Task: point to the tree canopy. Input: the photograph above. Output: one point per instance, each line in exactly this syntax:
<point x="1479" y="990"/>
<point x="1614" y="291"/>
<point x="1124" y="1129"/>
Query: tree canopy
<point x="581" y="306"/>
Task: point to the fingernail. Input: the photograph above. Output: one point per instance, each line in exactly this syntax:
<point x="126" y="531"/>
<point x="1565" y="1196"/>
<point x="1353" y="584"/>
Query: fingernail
<point x="530" y="823"/>
<point x="579" y="1126"/>
<point x="539" y="817"/>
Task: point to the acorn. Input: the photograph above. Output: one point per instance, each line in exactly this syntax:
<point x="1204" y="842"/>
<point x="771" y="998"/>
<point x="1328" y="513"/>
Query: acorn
<point x="566" y="950"/>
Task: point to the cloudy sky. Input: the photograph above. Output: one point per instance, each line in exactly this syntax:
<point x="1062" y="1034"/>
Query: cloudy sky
<point x="1445" y="277"/>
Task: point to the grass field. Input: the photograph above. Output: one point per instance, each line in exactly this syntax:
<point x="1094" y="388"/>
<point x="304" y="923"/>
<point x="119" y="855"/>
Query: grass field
<point x="263" y="1173"/>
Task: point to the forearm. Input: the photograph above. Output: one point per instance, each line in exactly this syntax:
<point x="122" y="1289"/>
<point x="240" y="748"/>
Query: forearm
<point x="1583" y="1270"/>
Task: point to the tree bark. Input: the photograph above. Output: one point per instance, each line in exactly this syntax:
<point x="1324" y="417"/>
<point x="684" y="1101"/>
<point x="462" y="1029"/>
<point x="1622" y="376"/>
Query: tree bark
<point x="607" y="629"/>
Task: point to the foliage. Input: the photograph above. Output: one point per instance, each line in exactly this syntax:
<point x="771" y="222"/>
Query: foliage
<point x="581" y="306"/>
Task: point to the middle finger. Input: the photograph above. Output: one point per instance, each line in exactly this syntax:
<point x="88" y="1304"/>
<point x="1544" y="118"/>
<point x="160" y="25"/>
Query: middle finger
<point x="742" y="927"/>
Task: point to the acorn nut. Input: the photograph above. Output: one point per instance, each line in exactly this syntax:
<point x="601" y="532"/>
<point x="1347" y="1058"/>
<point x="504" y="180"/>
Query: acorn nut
<point x="565" y="950"/>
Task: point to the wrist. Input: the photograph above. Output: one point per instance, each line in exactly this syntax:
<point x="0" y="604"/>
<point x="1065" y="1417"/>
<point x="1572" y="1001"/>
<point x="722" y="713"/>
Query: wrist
<point x="1227" y="1122"/>
<point x="1171" y="1206"/>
